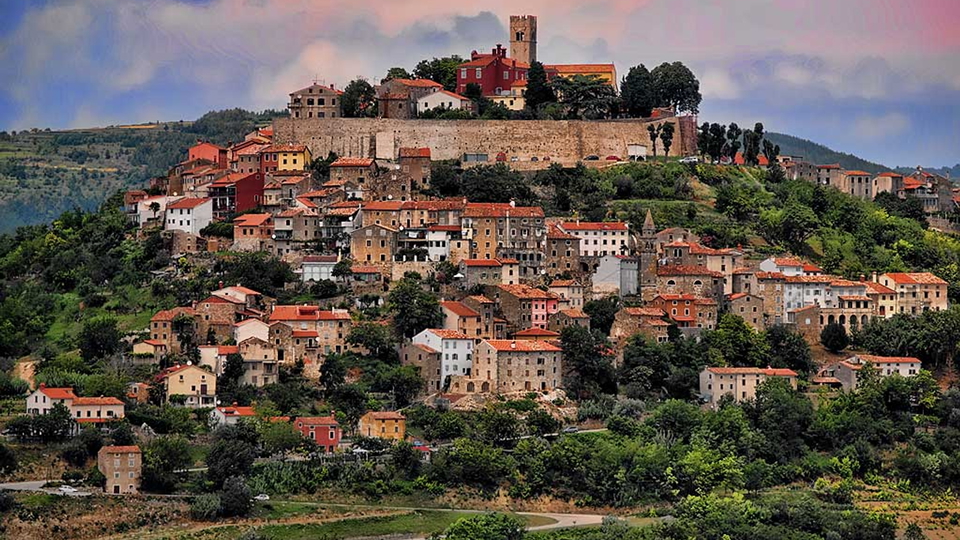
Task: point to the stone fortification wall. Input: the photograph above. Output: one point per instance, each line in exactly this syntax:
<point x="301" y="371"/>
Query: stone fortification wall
<point x="562" y="141"/>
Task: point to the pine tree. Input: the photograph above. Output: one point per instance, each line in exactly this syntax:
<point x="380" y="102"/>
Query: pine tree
<point x="538" y="91"/>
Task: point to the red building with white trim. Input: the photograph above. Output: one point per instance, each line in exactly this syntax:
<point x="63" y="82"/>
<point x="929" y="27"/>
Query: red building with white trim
<point x="494" y="72"/>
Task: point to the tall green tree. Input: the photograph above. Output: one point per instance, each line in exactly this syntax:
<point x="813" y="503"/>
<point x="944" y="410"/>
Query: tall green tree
<point x="585" y="97"/>
<point x="440" y="70"/>
<point x="789" y="350"/>
<point x="359" y="99"/>
<point x="666" y="137"/>
<point x="638" y="92"/>
<point x="396" y="73"/>
<point x="654" y="131"/>
<point x="732" y="146"/>
<point x="751" y="145"/>
<point x="163" y="456"/>
<point x="539" y="91"/>
<point x="738" y="343"/>
<point x="99" y="338"/>
<point x="834" y="337"/>
<point x="676" y="86"/>
<point x="587" y="363"/>
<point x="413" y="308"/>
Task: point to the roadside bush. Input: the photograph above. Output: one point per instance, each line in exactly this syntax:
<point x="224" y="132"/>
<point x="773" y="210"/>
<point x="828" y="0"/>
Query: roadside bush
<point x="8" y="460"/>
<point x="235" y="499"/>
<point x="205" y="507"/>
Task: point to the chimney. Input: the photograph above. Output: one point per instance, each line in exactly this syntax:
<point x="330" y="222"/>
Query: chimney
<point x="513" y="344"/>
<point x="43" y="385"/>
<point x="220" y="284"/>
<point x="513" y="203"/>
<point x="863" y="278"/>
<point x="876" y="277"/>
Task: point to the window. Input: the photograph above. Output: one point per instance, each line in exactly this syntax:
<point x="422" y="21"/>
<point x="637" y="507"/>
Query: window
<point x="463" y="73"/>
<point x="479" y="73"/>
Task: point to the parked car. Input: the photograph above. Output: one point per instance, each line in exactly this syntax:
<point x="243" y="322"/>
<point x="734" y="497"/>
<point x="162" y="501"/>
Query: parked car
<point x="613" y="158"/>
<point x="262" y="497"/>
<point x="68" y="489"/>
<point x="690" y="159"/>
<point x="534" y="158"/>
<point x="592" y="157"/>
<point x="571" y="429"/>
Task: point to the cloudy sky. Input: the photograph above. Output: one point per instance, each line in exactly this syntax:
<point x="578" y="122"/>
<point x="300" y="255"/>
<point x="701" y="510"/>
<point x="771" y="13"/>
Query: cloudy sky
<point x="878" y="78"/>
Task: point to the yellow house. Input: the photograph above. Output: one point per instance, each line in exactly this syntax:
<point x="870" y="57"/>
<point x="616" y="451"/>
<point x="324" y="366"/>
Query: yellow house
<point x="197" y="386"/>
<point x="606" y="72"/>
<point x="290" y="157"/>
<point x="513" y="99"/>
<point x="384" y="425"/>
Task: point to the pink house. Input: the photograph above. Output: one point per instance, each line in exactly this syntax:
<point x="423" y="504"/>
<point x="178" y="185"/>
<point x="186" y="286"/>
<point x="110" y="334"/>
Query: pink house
<point x="526" y="307"/>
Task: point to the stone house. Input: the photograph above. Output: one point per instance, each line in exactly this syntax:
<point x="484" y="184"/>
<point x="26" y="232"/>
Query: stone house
<point x="460" y="317"/>
<point x="503" y="366"/>
<point x="524" y="306"/>
<point x="315" y="101"/>
<point x="294" y="228"/>
<point x="916" y="291"/>
<point x="568" y="317"/>
<point x="747" y="306"/>
<point x="507" y="231"/>
<point x="122" y="467"/>
<point x="252" y="232"/>
<point x="353" y="169"/>
<point x="846" y="372"/>
<point x="416" y="163"/>
<point x="397" y="98"/>
<point x="696" y="280"/>
<point x="562" y="252"/>
<point x="374" y="245"/>
<point x="630" y="321"/>
<point x="687" y="310"/>
<point x="488" y="272"/>
<point x="427" y="361"/>
<point x="723" y="261"/>
<point x="390" y="425"/>
<point x="149" y="351"/>
<point x="454" y="352"/>
<point x="491" y="325"/>
<point x="165" y="325"/>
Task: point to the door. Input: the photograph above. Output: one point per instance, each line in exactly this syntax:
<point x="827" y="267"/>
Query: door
<point x="116" y="489"/>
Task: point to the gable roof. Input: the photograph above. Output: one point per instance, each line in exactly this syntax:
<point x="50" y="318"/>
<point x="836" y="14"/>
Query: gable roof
<point x="187" y="203"/>
<point x="501" y="210"/>
<point x="352" y="162"/>
<point x="528" y="292"/>
<point x="459" y="309"/>
<point x="537" y="332"/>
<point x="506" y="345"/>
<point x="915" y="278"/>
<point x="96" y="401"/>
<point x="594" y="226"/>
<point x="57" y="393"/>
<point x="414" y="152"/>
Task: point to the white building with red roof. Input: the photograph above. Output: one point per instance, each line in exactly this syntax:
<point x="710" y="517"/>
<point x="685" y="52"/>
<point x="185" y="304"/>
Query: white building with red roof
<point x="443" y="100"/>
<point x="44" y="398"/>
<point x="846" y="372"/>
<point x="189" y="214"/>
<point x="454" y="347"/>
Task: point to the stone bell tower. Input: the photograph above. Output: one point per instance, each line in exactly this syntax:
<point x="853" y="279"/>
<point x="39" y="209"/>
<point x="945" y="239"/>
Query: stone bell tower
<point x="523" y="38"/>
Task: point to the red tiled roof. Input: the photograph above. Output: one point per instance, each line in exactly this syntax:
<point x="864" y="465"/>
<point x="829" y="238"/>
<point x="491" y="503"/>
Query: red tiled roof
<point x="575" y="313"/>
<point x="381" y="206"/>
<point x="831" y="166"/>
<point x="573" y="69"/>
<point x="770" y="275"/>
<point x="438" y="205"/>
<point x="97" y="401"/>
<point x="740" y="160"/>
<point x="856" y="173"/>
<point x="705" y="302"/>
<point x="878" y="288"/>
<point x="886" y="359"/>
<point x="231" y="179"/>
<point x="537" y="332"/>
<point x="488" y="263"/>
<point x="788" y="262"/>
<point x="685" y="270"/>
<point x="459" y="309"/>
<point x="120" y="449"/>
<point x="352" y="162"/>
<point x="360" y="269"/>
<point x="594" y="226"/>
<point x="501" y="210"/>
<point x="305" y="334"/>
<point x="155" y="342"/>
<point x="171" y="314"/>
<point x="554" y="232"/>
<point x="810" y="279"/>
<point x="187" y="203"/>
<point x="527" y="292"/>
<point x="237" y="411"/>
<point x="807" y="267"/>
<point x="317" y="421"/>
<point x="418" y="83"/>
<point x="251" y="220"/>
<point x="736" y="296"/>
<point x="564" y="283"/>
<point x="915" y="278"/>
<point x="888" y="174"/>
<point x="443" y="333"/>
<point x="414" y="152"/>
<point x="505" y="345"/>
<point x="910" y="183"/>
<point x="770" y="372"/>
<point x="444" y="228"/>
<point x="57" y="393"/>
<point x="672" y="297"/>
<point x="306" y="313"/>
<point x="480" y="299"/>
<point x="454" y="96"/>
<point x="425" y="348"/>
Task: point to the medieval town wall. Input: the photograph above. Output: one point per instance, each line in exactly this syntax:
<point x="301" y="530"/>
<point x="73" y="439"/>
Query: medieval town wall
<point x="564" y="141"/>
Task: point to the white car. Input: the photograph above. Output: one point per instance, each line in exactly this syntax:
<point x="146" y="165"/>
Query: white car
<point x="68" y="489"/>
<point x="690" y="159"/>
<point x="262" y="497"/>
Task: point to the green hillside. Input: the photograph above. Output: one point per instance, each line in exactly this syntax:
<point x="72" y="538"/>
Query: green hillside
<point x="44" y="173"/>
<point x="820" y="154"/>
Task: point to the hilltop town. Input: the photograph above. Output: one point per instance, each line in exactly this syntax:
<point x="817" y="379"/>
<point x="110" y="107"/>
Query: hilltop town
<point x="440" y="294"/>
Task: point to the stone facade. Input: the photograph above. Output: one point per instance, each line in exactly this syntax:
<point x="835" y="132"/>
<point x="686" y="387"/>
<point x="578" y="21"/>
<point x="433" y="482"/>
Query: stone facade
<point x="566" y="141"/>
<point x="503" y="366"/>
<point x="121" y="466"/>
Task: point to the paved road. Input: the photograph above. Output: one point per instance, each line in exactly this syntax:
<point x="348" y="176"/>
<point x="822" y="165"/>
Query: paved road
<point x="37" y="485"/>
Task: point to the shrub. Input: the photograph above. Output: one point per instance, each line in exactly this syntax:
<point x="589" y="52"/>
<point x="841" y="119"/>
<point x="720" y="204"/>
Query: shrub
<point x="235" y="499"/>
<point x="205" y="507"/>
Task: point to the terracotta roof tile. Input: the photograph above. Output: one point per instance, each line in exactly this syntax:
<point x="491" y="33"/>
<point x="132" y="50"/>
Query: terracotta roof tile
<point x="459" y="309"/>
<point x="505" y="345"/>
<point x="187" y="203"/>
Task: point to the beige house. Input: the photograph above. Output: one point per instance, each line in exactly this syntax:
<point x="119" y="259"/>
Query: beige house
<point x="96" y="410"/>
<point x="121" y="466"/>
<point x="197" y="386"/>
<point x="846" y="372"/>
<point x="739" y="382"/>
<point x="916" y="291"/>
<point x="389" y="425"/>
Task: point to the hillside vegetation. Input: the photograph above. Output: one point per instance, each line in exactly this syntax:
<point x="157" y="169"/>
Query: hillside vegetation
<point x="820" y="154"/>
<point x="44" y="173"/>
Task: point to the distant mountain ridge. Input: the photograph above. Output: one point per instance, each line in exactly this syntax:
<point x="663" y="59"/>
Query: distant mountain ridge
<point x="822" y="155"/>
